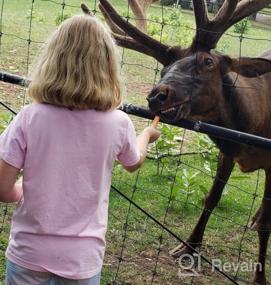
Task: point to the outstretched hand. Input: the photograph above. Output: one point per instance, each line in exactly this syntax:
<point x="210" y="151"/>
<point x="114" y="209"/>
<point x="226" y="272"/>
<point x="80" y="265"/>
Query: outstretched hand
<point x="153" y="133"/>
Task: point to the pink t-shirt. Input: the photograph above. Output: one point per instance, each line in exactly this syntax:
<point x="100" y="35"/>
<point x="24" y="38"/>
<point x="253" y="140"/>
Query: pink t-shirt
<point x="67" y="159"/>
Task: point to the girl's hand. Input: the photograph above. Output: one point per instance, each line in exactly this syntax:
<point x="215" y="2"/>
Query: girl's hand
<point x="153" y="133"/>
<point x="148" y="135"/>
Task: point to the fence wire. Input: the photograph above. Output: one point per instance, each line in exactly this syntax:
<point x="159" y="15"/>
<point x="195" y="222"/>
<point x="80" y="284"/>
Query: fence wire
<point x="155" y="209"/>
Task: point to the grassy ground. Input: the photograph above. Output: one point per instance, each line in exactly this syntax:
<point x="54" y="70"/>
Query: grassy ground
<point x="171" y="189"/>
<point x="224" y="234"/>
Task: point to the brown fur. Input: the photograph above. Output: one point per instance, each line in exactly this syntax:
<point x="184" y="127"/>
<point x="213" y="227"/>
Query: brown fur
<point x="233" y="93"/>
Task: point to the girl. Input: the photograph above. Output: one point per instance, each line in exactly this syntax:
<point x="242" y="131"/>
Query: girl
<point x="66" y="144"/>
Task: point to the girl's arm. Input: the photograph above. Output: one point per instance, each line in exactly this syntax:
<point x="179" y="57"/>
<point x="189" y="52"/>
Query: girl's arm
<point x="148" y="135"/>
<point x="9" y="191"/>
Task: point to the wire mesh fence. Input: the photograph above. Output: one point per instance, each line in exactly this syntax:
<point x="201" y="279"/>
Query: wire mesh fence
<point x="155" y="209"/>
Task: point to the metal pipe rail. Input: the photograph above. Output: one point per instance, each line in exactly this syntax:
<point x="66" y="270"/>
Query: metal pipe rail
<point x="197" y="126"/>
<point x="201" y="127"/>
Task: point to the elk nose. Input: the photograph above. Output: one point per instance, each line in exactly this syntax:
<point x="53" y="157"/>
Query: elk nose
<point x="160" y="96"/>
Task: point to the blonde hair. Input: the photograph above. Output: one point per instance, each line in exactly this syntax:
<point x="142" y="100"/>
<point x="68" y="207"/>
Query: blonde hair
<point x="79" y="67"/>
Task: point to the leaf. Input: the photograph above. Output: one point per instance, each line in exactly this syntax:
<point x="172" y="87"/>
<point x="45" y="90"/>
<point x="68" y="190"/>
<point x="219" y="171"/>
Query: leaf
<point x="174" y="193"/>
<point x="206" y="166"/>
<point x="203" y="189"/>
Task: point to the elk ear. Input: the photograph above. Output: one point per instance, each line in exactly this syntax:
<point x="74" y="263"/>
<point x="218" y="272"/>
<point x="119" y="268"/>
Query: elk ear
<point x="250" y="67"/>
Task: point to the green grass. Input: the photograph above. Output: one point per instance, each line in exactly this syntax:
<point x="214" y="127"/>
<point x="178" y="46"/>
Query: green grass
<point x="267" y="10"/>
<point x="153" y="190"/>
<point x="224" y="231"/>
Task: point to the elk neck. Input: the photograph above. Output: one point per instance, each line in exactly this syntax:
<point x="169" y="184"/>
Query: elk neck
<point x="244" y="106"/>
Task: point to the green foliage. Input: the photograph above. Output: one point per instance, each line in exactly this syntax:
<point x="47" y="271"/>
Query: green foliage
<point x="61" y="17"/>
<point x="224" y="45"/>
<point x="154" y="27"/>
<point x="208" y="151"/>
<point x="5" y="119"/>
<point x="184" y="183"/>
<point x="3" y="246"/>
<point x="267" y="10"/>
<point x="166" y="140"/>
<point x="164" y="145"/>
<point x="176" y="30"/>
<point x="242" y="27"/>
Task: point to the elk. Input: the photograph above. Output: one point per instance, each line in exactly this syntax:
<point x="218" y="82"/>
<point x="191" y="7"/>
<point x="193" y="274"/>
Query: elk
<point x="200" y="83"/>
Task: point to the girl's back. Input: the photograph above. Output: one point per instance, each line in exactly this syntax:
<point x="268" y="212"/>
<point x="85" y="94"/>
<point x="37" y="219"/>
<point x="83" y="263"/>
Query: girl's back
<point x="67" y="175"/>
<point x="66" y="144"/>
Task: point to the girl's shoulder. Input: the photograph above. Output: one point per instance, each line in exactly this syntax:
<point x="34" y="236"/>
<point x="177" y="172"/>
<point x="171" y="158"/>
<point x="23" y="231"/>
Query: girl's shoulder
<point x="36" y="107"/>
<point x="39" y="112"/>
<point x="47" y="111"/>
<point x="43" y="110"/>
<point x="119" y="116"/>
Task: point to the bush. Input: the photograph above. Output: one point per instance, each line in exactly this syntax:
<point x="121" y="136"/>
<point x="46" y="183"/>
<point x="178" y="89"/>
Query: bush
<point x="242" y="27"/>
<point x="182" y="34"/>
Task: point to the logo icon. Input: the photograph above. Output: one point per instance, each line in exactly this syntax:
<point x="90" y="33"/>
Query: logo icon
<point x="189" y="265"/>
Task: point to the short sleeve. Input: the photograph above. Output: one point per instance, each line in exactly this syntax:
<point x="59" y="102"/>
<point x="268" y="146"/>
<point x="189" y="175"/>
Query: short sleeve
<point x="12" y="143"/>
<point x="129" y="154"/>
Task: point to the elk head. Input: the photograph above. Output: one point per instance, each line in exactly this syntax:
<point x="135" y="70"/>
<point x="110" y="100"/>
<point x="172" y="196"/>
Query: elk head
<point x="192" y="77"/>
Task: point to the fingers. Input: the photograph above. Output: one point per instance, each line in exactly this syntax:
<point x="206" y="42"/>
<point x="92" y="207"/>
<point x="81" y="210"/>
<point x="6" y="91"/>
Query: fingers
<point x="155" y="121"/>
<point x="154" y="134"/>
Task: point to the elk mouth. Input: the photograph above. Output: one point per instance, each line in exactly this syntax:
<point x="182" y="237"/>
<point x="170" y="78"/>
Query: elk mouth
<point x="175" y="113"/>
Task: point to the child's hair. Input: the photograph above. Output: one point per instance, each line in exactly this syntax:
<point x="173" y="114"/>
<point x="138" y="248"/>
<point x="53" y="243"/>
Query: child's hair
<point x="79" y="67"/>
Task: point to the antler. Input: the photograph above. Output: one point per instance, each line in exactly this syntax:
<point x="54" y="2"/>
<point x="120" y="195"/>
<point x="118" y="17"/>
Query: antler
<point x="210" y="31"/>
<point x="136" y="40"/>
<point x="246" y="8"/>
<point x="114" y="28"/>
<point x="86" y="10"/>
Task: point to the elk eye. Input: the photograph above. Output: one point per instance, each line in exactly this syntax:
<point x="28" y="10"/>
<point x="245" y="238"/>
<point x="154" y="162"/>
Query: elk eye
<point x="208" y="62"/>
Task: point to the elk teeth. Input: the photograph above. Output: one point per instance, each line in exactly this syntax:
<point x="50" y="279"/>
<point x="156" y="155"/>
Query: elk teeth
<point x="168" y="110"/>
